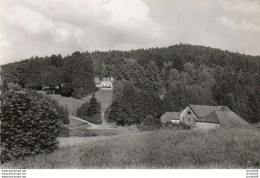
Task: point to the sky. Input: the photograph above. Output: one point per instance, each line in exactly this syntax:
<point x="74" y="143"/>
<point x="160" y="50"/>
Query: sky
<point x="45" y="27"/>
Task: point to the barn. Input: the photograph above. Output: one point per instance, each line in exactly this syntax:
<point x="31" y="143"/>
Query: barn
<point x="204" y="116"/>
<point x="170" y="117"/>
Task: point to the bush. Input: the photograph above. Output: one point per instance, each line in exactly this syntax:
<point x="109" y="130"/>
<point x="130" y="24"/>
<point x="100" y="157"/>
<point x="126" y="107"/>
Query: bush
<point x="179" y="126"/>
<point x="64" y="131"/>
<point x="171" y="125"/>
<point x="149" y="123"/>
<point x="30" y="124"/>
<point x="184" y="126"/>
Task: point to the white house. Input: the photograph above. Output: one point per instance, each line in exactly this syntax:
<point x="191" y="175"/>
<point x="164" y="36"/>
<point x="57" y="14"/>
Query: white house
<point x="105" y="83"/>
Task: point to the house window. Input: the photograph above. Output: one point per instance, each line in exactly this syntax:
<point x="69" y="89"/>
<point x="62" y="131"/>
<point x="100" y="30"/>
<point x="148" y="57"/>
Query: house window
<point x="189" y="112"/>
<point x="182" y="118"/>
<point x="189" y="119"/>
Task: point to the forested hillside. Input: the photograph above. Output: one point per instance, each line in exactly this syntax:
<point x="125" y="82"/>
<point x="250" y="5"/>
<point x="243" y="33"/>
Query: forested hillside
<point x="152" y="81"/>
<point x="156" y="80"/>
<point x="70" y="76"/>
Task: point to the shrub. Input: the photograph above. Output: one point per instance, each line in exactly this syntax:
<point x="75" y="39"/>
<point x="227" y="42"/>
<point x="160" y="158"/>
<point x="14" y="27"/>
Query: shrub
<point x="149" y="123"/>
<point x="179" y="126"/>
<point x="171" y="125"/>
<point x="30" y="124"/>
<point x="64" y="131"/>
<point x="184" y="126"/>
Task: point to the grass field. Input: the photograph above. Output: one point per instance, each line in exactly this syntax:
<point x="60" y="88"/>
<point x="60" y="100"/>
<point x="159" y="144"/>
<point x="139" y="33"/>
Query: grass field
<point x="221" y="148"/>
<point x="72" y="103"/>
<point x="103" y="96"/>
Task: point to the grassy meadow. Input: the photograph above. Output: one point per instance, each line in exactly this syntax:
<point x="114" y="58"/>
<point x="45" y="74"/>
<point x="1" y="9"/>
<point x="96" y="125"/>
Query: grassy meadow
<point x="103" y="96"/>
<point x="220" y="148"/>
<point x="71" y="103"/>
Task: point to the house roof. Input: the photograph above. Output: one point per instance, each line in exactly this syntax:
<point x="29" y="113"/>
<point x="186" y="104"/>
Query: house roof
<point x="210" y="118"/>
<point x="168" y="116"/>
<point x="226" y="118"/>
<point x="173" y="115"/>
<point x="230" y="119"/>
<point x="203" y="110"/>
<point x="106" y="80"/>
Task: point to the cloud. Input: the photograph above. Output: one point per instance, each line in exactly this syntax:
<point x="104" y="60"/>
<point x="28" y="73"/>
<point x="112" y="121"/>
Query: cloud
<point x="29" y="28"/>
<point x="82" y="25"/>
<point x="28" y="19"/>
<point x="242" y="6"/>
<point x="242" y="25"/>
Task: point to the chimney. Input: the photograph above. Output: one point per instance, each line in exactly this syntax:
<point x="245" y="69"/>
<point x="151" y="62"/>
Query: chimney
<point x="223" y="108"/>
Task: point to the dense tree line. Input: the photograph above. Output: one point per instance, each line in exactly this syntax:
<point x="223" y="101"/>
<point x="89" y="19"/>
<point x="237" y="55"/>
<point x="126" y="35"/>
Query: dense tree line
<point x="70" y="76"/>
<point x="164" y="79"/>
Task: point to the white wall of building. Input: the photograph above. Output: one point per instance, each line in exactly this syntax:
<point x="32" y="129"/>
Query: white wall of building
<point x="188" y="116"/>
<point x="106" y="85"/>
<point x="205" y="125"/>
<point x="175" y="121"/>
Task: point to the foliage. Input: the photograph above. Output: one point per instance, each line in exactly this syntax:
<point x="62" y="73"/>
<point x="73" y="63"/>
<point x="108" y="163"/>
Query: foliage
<point x="70" y="76"/>
<point x="149" y="123"/>
<point x="64" y="131"/>
<point x="30" y="124"/>
<point x="179" y="126"/>
<point x="178" y="75"/>
<point x="131" y="105"/>
<point x="185" y="74"/>
<point x="94" y="106"/>
<point x="90" y="111"/>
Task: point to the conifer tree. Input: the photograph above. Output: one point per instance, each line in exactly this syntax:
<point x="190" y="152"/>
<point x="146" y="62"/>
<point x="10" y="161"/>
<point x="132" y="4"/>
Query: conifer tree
<point x="93" y="106"/>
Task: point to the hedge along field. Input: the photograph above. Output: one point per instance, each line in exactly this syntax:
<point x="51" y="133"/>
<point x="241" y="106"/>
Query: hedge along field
<point x="222" y="148"/>
<point x="30" y="124"/>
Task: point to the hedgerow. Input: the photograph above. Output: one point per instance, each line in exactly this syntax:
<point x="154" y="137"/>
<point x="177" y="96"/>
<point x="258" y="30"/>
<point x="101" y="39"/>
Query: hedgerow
<point x="30" y="124"/>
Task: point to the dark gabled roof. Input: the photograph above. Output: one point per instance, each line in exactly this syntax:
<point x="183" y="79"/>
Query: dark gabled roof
<point x="226" y="118"/>
<point x="203" y="110"/>
<point x="106" y="80"/>
<point x="210" y="118"/>
<point x="168" y="116"/>
<point x="230" y="119"/>
<point x="173" y="115"/>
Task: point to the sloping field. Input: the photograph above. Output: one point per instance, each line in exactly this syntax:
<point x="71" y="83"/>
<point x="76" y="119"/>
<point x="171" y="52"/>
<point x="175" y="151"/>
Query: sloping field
<point x="220" y="148"/>
<point x="72" y="103"/>
<point x="103" y="96"/>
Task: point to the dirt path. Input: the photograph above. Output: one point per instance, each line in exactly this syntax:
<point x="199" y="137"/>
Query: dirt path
<point x="104" y="124"/>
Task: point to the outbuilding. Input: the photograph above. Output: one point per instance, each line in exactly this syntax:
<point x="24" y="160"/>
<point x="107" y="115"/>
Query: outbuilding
<point x="170" y="117"/>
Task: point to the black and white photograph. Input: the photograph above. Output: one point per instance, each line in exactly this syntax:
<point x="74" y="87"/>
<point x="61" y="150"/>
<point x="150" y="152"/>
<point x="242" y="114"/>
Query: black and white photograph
<point x="130" y="85"/>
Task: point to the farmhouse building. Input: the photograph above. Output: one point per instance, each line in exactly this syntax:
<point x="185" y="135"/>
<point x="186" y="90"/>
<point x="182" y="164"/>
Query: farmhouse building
<point x="105" y="83"/>
<point x="170" y="117"/>
<point x="203" y="116"/>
